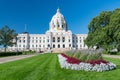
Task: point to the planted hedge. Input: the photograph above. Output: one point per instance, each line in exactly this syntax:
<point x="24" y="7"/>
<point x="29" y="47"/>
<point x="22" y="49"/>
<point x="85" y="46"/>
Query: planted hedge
<point x="2" y="54"/>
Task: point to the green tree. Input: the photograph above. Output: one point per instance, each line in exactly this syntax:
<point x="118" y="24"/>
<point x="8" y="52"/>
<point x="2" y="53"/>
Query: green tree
<point x="104" y="30"/>
<point x="7" y="37"/>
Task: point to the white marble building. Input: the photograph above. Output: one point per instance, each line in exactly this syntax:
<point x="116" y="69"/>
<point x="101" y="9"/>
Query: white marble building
<point x="58" y="37"/>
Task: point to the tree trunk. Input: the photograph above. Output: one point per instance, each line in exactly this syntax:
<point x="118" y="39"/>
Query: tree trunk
<point x="5" y="49"/>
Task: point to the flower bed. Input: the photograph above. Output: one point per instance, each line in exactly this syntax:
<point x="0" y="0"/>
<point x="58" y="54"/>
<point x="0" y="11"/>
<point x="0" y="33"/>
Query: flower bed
<point x="75" y="64"/>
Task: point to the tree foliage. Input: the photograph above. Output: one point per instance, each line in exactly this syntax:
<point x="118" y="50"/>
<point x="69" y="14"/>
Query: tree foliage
<point x="104" y="30"/>
<point x="7" y="36"/>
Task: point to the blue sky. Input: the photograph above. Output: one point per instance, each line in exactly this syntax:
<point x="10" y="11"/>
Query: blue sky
<point x="38" y="13"/>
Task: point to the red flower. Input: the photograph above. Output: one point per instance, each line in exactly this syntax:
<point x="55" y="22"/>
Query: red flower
<point x="71" y="60"/>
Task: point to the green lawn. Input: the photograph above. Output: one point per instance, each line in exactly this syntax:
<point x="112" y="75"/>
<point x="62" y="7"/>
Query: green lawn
<point x="46" y="67"/>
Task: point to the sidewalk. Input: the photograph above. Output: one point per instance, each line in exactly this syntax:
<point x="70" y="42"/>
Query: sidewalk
<point x="112" y="56"/>
<point x="12" y="58"/>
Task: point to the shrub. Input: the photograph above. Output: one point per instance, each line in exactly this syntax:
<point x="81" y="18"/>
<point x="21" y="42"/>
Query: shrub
<point x="28" y="52"/>
<point x="2" y="54"/>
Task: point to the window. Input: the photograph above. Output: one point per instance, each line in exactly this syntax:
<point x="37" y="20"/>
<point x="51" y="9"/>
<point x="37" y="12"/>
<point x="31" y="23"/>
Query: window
<point x="63" y="45"/>
<point x="58" y="39"/>
<point x="58" y="45"/>
<point x="62" y="26"/>
<point x="43" y="41"/>
<point x="19" y="45"/>
<point x="23" y="41"/>
<point x="48" y="40"/>
<point x="76" y="40"/>
<point x="32" y="41"/>
<point x="83" y="38"/>
<point x="58" y="25"/>
<point x="36" y="41"/>
<point x="32" y="45"/>
<point x="40" y="41"/>
<point x="84" y="45"/>
<point x="24" y="46"/>
<point x="73" y="46"/>
<point x="53" y="45"/>
<point x="69" y="45"/>
<point x="73" y="41"/>
<point x="76" y="46"/>
<point x="53" y="39"/>
<point x="43" y="45"/>
<point x="36" y="45"/>
<point x="80" y="41"/>
<point x="69" y="40"/>
<point x="39" y="45"/>
<point x="80" y="46"/>
<point x="48" y="45"/>
<point x="20" y="41"/>
<point x="63" y="39"/>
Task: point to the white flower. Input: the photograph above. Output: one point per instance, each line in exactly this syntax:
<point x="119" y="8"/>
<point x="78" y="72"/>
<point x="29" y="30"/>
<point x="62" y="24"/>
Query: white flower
<point x="85" y="66"/>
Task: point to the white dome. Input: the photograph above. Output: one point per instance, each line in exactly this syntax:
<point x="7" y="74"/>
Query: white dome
<point x="58" y="22"/>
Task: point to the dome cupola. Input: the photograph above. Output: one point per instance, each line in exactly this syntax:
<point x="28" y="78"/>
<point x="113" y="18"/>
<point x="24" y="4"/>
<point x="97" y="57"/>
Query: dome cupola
<point x="58" y="22"/>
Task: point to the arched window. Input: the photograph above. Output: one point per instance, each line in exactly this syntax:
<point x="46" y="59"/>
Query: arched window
<point x="62" y="26"/>
<point x="48" y="45"/>
<point x="69" y="45"/>
<point x="53" y="45"/>
<point x="58" y="45"/>
<point x="63" y="45"/>
<point x="80" y="46"/>
<point x="58" y="25"/>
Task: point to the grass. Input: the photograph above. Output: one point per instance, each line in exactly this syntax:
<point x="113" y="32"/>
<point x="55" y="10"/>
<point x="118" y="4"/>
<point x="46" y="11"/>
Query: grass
<point x="46" y="67"/>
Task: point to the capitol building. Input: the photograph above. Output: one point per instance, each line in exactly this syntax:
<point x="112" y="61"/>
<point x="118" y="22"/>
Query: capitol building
<point x="58" y="37"/>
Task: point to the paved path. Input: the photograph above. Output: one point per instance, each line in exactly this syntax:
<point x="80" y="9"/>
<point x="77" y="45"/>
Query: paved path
<point x="112" y="56"/>
<point x="12" y="58"/>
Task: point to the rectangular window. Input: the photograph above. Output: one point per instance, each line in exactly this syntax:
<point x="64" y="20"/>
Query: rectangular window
<point x="20" y="41"/>
<point x="39" y="45"/>
<point x="48" y="40"/>
<point x="36" y="41"/>
<point x="80" y="37"/>
<point x="69" y="40"/>
<point x="58" y="39"/>
<point x="53" y="39"/>
<point x="43" y="41"/>
<point x="63" y="39"/>
<point x="80" y="41"/>
<point x="80" y="46"/>
<point x="43" y="45"/>
<point x="24" y="46"/>
<point x="33" y="46"/>
<point x="32" y="41"/>
<point x="73" y="41"/>
<point x="23" y="41"/>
